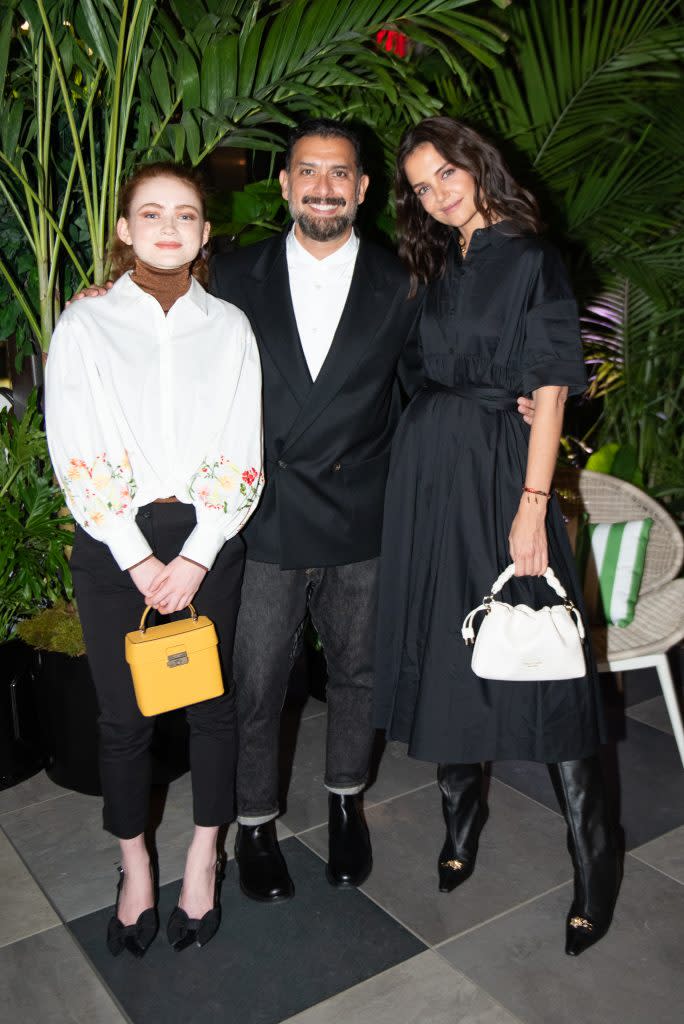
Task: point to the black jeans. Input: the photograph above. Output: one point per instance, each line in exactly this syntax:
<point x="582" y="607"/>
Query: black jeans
<point x="342" y="602"/>
<point x="109" y="606"/>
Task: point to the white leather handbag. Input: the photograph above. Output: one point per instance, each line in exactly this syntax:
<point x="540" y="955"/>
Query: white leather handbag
<point x="515" y="642"/>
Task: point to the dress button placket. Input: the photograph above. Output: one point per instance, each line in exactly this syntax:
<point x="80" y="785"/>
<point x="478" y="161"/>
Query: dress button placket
<point x="166" y="392"/>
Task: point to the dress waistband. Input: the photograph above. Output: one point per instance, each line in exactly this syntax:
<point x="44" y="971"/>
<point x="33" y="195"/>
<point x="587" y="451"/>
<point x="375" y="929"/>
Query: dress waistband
<point x="490" y="398"/>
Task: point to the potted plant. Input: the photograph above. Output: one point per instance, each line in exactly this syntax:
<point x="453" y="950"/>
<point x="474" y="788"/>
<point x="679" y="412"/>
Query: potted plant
<point x="34" y="572"/>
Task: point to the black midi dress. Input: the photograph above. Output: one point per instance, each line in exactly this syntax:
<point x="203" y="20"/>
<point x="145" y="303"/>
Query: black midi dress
<point x="498" y="324"/>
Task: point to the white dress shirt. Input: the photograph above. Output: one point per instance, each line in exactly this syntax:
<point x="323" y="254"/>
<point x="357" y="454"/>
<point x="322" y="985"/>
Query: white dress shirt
<point x="319" y="290"/>
<point x="141" y="406"/>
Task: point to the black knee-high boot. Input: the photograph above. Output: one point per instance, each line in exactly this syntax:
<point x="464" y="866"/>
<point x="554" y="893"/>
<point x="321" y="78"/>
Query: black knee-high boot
<point x="464" y="814"/>
<point x="593" y="848"/>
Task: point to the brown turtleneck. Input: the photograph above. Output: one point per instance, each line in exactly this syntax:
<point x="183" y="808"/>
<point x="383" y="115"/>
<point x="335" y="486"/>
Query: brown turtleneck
<point x="163" y="285"/>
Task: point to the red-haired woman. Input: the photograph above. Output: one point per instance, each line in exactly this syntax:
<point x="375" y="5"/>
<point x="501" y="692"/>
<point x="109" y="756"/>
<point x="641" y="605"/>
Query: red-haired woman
<point x="469" y="491"/>
<point x="153" y="408"/>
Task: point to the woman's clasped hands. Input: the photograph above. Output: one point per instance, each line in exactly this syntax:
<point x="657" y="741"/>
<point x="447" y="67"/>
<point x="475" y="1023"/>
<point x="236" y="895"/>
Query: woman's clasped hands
<point x="168" y="588"/>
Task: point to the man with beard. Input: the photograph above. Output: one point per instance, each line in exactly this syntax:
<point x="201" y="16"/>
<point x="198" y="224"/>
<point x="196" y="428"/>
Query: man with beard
<point x="334" y="326"/>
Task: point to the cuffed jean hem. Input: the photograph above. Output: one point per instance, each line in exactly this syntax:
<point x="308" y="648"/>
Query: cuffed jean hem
<point x="346" y="790"/>
<point x="252" y="820"/>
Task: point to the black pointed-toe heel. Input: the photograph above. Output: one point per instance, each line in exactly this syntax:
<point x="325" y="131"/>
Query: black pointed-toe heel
<point x="183" y="931"/>
<point x="136" y="938"/>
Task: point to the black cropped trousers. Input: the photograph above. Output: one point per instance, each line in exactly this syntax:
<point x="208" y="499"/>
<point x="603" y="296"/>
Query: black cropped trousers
<point x="109" y="606"/>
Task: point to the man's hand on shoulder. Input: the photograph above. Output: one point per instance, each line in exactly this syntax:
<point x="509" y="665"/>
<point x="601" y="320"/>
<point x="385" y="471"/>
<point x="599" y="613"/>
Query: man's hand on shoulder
<point x="92" y="292"/>
<point x="526" y="409"/>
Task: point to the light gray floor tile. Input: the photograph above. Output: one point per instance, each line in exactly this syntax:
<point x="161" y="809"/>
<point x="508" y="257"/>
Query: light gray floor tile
<point x="25" y="910"/>
<point x="47" y="980"/>
<point x="66" y="850"/>
<point x="522" y="853"/>
<point x="652" y="712"/>
<point x="666" y="853"/>
<point x="307" y="798"/>
<point x="423" y="990"/>
<point x="74" y="859"/>
<point x="633" y="976"/>
<point x="34" y="791"/>
<point x="397" y="773"/>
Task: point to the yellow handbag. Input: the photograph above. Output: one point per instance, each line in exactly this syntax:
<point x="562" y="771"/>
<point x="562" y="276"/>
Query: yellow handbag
<point x="174" y="664"/>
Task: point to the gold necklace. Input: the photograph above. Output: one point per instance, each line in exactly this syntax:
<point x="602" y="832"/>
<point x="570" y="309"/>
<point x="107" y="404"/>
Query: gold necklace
<point x="463" y="246"/>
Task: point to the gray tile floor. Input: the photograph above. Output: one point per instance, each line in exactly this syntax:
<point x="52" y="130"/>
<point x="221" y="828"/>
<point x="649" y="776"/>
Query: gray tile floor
<point x="495" y="947"/>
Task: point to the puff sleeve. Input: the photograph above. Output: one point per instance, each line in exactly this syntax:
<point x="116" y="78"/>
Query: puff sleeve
<point x="552" y="352"/>
<point x="88" y="454"/>
<point x="225" y="487"/>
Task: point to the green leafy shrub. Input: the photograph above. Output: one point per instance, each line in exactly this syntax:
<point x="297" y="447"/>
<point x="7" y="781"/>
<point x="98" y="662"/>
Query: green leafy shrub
<point x="34" y="528"/>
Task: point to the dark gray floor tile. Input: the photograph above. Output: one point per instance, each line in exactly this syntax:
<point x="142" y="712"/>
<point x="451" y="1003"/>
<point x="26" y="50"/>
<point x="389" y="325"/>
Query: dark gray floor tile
<point x="665" y="853"/>
<point x="633" y="976"/>
<point x="47" y="980"/>
<point x="34" y="791"/>
<point x="652" y="712"/>
<point x="522" y="853"/>
<point x="644" y="776"/>
<point x="25" y="909"/>
<point x="423" y="990"/>
<point x="266" y="963"/>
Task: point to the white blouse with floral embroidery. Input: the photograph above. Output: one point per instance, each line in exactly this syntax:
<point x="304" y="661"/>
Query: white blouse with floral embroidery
<point x="141" y="406"/>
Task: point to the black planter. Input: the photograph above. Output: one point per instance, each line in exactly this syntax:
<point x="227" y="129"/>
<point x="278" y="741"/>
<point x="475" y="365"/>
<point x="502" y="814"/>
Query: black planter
<point x="69" y="718"/>
<point x="21" y="741"/>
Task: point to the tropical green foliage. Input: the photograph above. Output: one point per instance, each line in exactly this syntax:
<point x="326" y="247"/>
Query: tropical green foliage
<point x="34" y="531"/>
<point x="92" y="87"/>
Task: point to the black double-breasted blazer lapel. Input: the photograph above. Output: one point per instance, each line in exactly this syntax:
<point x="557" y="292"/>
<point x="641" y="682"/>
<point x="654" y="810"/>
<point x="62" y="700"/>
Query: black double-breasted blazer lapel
<point x="267" y="290"/>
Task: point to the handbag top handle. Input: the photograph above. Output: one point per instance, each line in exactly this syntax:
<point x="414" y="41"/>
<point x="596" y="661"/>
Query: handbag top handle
<point x="148" y="608"/>
<point x="549" y="576"/>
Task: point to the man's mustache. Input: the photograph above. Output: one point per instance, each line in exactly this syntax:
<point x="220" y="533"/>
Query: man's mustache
<point x="325" y="201"/>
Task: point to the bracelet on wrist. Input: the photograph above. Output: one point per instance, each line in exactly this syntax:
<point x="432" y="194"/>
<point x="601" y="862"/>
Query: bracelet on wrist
<point x="536" y="494"/>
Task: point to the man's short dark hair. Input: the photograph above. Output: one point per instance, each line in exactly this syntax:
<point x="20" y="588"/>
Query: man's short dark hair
<point x="325" y="128"/>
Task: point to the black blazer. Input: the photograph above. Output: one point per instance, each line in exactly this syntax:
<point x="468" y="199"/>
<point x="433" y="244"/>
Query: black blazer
<point x="327" y="441"/>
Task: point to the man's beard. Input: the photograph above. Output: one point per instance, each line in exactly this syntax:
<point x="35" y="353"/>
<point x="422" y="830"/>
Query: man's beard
<point x="323" y="229"/>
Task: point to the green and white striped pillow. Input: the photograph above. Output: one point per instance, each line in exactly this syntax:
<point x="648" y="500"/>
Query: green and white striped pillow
<point x="611" y="558"/>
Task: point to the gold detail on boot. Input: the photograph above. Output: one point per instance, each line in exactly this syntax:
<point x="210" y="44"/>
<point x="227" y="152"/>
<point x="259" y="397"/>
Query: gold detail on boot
<point x="581" y="922"/>
<point x="455" y="865"/>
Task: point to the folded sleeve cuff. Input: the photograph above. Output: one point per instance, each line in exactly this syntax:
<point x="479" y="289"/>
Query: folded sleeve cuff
<point x="127" y="545"/>
<point x="203" y="545"/>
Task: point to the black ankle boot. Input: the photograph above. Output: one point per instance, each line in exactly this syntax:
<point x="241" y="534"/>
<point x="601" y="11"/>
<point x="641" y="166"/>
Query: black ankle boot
<point x="263" y="871"/>
<point x="350" y="858"/>
<point x="464" y="814"/>
<point x="593" y="849"/>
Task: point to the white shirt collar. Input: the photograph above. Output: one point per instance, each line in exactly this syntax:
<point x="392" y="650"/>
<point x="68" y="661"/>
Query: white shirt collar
<point x="130" y="292"/>
<point x="298" y="256"/>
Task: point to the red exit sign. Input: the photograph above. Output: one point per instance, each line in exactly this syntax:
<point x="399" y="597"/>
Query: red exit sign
<point x="393" y="42"/>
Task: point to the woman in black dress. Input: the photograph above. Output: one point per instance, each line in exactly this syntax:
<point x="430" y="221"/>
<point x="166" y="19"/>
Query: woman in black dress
<point x="469" y="492"/>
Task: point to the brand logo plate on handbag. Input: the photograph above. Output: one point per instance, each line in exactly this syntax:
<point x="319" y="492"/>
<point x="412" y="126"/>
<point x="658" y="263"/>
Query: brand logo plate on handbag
<point x="174" y="660"/>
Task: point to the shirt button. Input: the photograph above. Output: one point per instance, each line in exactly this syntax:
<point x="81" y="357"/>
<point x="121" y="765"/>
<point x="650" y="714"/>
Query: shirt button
<point x="336" y="467"/>
<point x="282" y="464"/>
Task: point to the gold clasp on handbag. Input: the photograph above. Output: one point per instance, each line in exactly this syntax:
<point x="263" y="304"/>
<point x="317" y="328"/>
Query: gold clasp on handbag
<point x="174" y="660"/>
<point x="148" y="608"/>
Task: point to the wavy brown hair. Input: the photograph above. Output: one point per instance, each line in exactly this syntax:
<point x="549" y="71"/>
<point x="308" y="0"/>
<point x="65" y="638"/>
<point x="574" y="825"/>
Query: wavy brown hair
<point x="422" y="240"/>
<point x="122" y="255"/>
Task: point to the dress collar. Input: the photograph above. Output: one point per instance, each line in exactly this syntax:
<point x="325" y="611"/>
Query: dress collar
<point x="297" y="255"/>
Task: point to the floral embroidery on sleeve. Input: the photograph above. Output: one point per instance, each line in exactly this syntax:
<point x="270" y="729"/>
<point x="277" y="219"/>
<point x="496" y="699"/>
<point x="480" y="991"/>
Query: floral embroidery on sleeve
<point x="100" y="489"/>
<point x="225" y="487"/>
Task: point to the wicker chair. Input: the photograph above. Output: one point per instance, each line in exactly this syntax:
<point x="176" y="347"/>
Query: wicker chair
<point x="658" y="621"/>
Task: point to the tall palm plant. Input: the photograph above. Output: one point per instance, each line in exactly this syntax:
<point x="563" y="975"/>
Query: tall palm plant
<point x="90" y="87"/>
